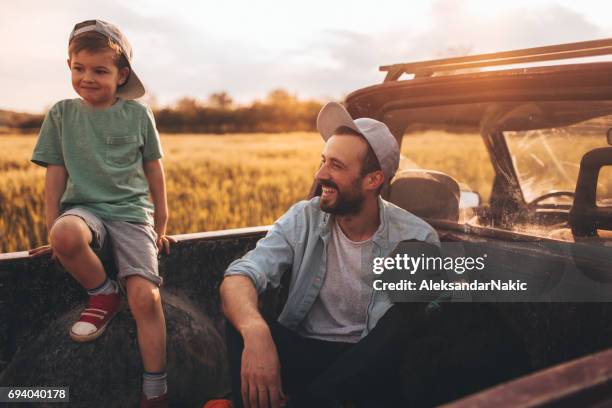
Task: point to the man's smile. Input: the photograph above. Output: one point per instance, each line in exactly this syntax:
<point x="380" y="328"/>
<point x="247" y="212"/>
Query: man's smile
<point x="328" y="191"/>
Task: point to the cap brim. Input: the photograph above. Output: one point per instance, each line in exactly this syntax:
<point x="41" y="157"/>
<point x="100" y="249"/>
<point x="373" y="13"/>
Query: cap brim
<point x="133" y="88"/>
<point x="331" y="117"/>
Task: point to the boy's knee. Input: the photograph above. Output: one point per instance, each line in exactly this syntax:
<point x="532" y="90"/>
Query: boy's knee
<point x="69" y="235"/>
<point x="143" y="297"/>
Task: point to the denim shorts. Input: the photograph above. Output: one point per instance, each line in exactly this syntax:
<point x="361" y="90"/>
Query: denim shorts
<point x="132" y="245"/>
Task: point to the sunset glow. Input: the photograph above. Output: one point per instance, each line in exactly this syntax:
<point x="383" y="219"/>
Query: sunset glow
<point x="315" y="49"/>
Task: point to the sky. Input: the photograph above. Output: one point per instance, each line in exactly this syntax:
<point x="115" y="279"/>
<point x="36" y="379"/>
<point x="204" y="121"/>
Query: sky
<point x="320" y="49"/>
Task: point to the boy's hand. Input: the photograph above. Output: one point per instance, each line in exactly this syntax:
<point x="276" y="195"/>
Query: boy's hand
<point x="41" y="251"/>
<point x="163" y="241"/>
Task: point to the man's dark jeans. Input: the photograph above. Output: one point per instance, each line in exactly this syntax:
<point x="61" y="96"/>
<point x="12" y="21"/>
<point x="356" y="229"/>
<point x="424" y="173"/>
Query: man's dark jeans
<point x="317" y="373"/>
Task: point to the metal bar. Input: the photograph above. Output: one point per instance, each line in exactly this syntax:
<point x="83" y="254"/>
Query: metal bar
<point x="579" y="383"/>
<point x="549" y="49"/>
<point x="182" y="238"/>
<point x="521" y="60"/>
<point x="547" y="53"/>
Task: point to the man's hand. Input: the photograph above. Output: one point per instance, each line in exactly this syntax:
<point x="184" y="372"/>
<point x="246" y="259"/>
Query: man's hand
<point x="260" y="367"/>
<point x="260" y="370"/>
<point x="41" y="251"/>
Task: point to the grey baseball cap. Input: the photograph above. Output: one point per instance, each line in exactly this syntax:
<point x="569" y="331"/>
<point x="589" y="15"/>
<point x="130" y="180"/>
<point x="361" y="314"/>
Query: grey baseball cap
<point x="383" y="143"/>
<point x="133" y="87"/>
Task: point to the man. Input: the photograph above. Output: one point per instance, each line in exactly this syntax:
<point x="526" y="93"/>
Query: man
<point x="332" y="339"/>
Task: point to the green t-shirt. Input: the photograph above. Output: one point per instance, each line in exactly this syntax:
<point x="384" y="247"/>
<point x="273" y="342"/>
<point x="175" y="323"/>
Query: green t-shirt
<point x="103" y="151"/>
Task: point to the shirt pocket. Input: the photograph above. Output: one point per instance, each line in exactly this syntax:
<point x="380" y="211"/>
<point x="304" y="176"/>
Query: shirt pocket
<point x="122" y="151"/>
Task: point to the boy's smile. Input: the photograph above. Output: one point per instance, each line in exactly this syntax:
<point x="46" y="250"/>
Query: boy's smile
<point x="95" y="77"/>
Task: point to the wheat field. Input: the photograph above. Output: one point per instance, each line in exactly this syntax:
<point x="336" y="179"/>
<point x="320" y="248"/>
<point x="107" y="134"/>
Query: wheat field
<point x="216" y="182"/>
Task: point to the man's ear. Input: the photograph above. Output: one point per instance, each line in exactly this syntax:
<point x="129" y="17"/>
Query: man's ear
<point x="374" y="180"/>
<point x="124" y="73"/>
<point x="68" y="61"/>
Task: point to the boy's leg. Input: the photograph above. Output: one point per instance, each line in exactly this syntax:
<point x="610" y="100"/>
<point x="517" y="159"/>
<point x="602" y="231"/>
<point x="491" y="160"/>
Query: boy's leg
<point x="135" y="252"/>
<point x="74" y="236"/>
<point x="71" y="237"/>
<point x="145" y="303"/>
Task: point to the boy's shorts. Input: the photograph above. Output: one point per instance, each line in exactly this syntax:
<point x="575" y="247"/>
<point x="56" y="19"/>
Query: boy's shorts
<point x="132" y="245"/>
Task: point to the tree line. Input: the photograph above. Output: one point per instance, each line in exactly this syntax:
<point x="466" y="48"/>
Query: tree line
<point x="279" y="111"/>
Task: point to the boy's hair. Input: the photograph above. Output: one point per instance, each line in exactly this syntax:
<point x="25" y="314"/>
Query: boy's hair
<point x="96" y="42"/>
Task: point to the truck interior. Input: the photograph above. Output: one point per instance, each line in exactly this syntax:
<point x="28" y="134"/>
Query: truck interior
<point x="525" y="118"/>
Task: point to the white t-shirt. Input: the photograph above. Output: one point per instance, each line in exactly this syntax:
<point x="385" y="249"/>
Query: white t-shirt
<point x="339" y="312"/>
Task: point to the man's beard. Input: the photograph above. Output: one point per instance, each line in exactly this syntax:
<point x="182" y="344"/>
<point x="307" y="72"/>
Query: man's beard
<point x="347" y="202"/>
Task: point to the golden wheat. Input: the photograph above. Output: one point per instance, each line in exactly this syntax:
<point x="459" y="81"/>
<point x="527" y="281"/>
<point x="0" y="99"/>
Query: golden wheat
<point x="223" y="181"/>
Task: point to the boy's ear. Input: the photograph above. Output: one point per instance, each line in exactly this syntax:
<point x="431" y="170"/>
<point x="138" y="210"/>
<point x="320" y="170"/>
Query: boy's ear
<point x="68" y="61"/>
<point x="124" y="73"/>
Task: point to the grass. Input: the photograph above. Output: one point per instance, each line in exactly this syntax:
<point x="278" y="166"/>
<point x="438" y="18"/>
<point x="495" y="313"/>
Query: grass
<point x="224" y="181"/>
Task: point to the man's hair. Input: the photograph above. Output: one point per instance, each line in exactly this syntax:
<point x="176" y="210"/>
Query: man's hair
<point x="96" y="42"/>
<point x="370" y="161"/>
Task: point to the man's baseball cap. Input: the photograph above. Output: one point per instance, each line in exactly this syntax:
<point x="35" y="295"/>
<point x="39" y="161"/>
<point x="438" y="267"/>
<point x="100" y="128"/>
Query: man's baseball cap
<point x="333" y="116"/>
<point x="133" y="87"/>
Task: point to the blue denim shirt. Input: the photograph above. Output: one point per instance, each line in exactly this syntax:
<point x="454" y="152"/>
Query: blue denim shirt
<point x="298" y="242"/>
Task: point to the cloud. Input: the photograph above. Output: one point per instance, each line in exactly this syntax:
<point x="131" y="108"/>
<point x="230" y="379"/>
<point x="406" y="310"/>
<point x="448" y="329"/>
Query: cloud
<point x="521" y="27"/>
<point x="352" y="59"/>
<point x="178" y="56"/>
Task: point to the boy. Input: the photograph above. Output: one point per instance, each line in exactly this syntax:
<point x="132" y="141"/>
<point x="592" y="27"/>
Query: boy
<point x="102" y="153"/>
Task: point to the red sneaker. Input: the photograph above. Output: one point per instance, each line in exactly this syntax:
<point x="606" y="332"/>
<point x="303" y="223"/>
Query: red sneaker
<point x="157" y="402"/>
<point x="94" y="319"/>
<point x="218" y="403"/>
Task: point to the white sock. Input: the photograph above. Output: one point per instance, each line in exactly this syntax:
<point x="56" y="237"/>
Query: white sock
<point x="154" y="384"/>
<point x="106" y="288"/>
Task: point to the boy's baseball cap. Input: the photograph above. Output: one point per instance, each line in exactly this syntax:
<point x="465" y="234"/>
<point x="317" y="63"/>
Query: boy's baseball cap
<point x="383" y="143"/>
<point x="133" y="87"/>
